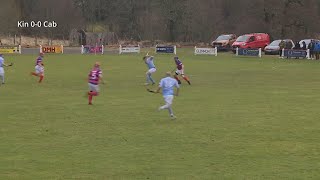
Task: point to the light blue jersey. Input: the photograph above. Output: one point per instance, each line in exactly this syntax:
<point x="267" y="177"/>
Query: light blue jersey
<point x="167" y="84"/>
<point x="1" y="61"/>
<point x="150" y="63"/>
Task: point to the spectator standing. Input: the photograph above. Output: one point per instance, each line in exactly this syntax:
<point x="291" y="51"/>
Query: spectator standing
<point x="311" y="49"/>
<point x="304" y="45"/>
<point x="282" y="45"/>
<point x="288" y="45"/>
<point x="317" y="49"/>
<point x="297" y="45"/>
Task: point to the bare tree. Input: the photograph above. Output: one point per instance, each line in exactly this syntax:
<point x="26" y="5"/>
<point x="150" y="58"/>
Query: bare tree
<point x="178" y="20"/>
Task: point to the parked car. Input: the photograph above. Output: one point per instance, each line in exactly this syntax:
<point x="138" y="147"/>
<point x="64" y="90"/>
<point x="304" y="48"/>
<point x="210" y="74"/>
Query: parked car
<point x="274" y="48"/>
<point x="224" y="41"/>
<point x="307" y="41"/>
<point x="255" y="40"/>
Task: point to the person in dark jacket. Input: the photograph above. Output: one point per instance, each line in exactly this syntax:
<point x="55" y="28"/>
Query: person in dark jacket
<point x="304" y="45"/>
<point x="282" y="45"/>
<point x="297" y="45"/>
<point x="311" y="49"/>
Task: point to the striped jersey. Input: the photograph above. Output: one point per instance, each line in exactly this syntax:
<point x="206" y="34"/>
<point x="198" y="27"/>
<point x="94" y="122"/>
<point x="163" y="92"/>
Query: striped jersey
<point x="94" y="76"/>
<point x="39" y="60"/>
<point x="179" y="64"/>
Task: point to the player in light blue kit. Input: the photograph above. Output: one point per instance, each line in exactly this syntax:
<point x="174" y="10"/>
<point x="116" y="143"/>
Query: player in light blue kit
<point x="151" y="68"/>
<point x="167" y="85"/>
<point x="2" y="64"/>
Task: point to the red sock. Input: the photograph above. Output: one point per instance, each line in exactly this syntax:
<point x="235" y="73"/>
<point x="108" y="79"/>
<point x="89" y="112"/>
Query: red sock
<point x="186" y="78"/>
<point x="41" y="78"/>
<point x="90" y="99"/>
<point x="176" y="77"/>
<point x="92" y="93"/>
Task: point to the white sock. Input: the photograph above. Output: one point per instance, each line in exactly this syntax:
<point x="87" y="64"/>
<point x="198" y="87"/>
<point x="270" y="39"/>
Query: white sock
<point x="165" y="107"/>
<point x="2" y="77"/>
<point x="170" y="111"/>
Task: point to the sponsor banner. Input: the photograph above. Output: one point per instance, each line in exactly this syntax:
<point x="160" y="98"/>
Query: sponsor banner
<point x="10" y="49"/>
<point x="295" y="53"/>
<point x="51" y="49"/>
<point x="129" y="49"/>
<point x="208" y="51"/>
<point x="166" y="49"/>
<point x="92" y="49"/>
<point x="248" y="52"/>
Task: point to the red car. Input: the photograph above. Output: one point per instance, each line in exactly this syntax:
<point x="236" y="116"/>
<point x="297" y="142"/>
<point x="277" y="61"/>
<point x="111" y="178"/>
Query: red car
<point x="255" y="40"/>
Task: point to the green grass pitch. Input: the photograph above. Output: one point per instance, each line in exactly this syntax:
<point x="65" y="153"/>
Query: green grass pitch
<point x="242" y="118"/>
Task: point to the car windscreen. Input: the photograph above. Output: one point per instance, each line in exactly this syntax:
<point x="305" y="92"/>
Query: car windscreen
<point x="223" y="37"/>
<point x="275" y="43"/>
<point x="307" y="41"/>
<point x="242" y="38"/>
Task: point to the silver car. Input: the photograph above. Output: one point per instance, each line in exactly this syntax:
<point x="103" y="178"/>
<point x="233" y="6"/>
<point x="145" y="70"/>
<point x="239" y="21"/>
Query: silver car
<point x="274" y="48"/>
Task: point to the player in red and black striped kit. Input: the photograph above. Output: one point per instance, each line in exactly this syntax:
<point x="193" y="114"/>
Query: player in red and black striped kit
<point x="180" y="71"/>
<point x="39" y="68"/>
<point x="94" y="77"/>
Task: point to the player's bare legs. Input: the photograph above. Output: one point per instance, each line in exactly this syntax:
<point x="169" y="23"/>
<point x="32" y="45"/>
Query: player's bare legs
<point x="183" y="76"/>
<point x="41" y="76"/>
<point x="177" y="78"/>
<point x="39" y="71"/>
<point x="186" y="78"/>
<point x="90" y="96"/>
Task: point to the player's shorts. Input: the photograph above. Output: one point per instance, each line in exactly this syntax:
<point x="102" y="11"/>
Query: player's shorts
<point x="180" y="72"/>
<point x="93" y="87"/>
<point x="39" y="70"/>
<point x="152" y="70"/>
<point x="1" y="70"/>
<point x="168" y="99"/>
